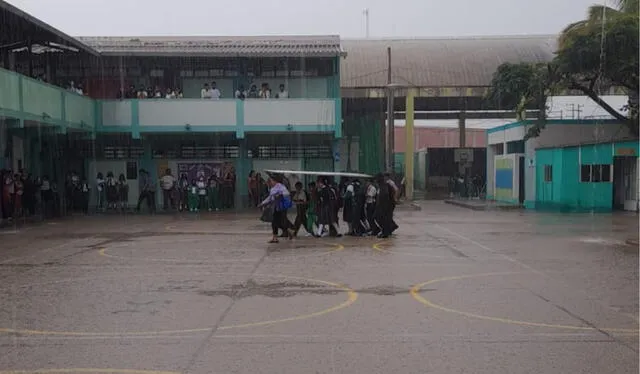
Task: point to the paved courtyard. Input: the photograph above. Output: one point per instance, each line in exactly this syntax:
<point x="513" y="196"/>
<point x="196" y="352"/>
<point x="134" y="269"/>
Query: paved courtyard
<point x="455" y="291"/>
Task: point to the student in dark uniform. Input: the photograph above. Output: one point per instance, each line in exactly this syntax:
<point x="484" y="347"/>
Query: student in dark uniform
<point x="384" y="207"/>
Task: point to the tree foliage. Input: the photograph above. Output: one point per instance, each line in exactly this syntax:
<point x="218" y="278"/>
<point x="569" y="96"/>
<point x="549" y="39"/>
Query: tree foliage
<point x="596" y="53"/>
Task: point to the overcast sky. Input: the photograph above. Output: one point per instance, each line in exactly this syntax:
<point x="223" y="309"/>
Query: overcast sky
<point x="391" y="18"/>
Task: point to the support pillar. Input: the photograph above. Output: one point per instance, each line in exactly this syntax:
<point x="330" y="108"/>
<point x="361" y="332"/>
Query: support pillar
<point x="409" y="148"/>
<point x="242" y="170"/>
<point x="390" y="132"/>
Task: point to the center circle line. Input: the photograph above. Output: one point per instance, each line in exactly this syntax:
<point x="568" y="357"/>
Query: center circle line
<point x="415" y="293"/>
<point x="352" y="297"/>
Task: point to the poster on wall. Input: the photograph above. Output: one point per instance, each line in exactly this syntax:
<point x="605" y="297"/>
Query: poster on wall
<point x="195" y="170"/>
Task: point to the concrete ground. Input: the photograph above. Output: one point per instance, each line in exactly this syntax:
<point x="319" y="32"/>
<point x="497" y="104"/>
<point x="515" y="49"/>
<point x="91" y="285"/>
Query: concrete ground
<point x="456" y="291"/>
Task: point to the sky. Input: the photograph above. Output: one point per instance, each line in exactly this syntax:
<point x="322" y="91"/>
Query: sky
<point x="391" y="18"/>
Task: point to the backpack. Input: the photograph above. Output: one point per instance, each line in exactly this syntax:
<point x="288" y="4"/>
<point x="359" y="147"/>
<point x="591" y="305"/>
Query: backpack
<point x="285" y="203"/>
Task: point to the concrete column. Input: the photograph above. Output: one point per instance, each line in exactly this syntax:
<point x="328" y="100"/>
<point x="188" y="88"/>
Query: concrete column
<point x="410" y="145"/>
<point x="242" y="170"/>
<point x="462" y="129"/>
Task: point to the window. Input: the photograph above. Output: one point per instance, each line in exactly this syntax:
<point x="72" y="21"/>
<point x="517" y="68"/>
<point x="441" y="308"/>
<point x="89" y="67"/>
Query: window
<point x="595" y="173"/>
<point x="585" y="173"/>
<point x="548" y="173"/>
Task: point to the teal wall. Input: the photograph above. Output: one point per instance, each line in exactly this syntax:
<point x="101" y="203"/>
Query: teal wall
<point x="565" y="191"/>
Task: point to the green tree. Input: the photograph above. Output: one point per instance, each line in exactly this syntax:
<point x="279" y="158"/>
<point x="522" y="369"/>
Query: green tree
<point x="602" y="51"/>
<point x="524" y="86"/>
<point x="594" y="54"/>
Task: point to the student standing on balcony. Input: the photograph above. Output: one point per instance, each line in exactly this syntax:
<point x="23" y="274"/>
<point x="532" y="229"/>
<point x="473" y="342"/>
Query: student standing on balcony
<point x="205" y="93"/>
<point x="265" y="91"/>
<point x="282" y="94"/>
<point x="142" y="93"/>
<point x="215" y="92"/>
<point x="241" y="93"/>
<point x="253" y="92"/>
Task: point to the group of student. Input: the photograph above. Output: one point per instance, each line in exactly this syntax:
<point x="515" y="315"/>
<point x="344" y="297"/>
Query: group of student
<point x="202" y="193"/>
<point x="112" y="192"/>
<point x="367" y="207"/>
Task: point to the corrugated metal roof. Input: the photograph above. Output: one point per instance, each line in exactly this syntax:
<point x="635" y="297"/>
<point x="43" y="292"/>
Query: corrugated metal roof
<point x="451" y="62"/>
<point x="4" y="6"/>
<point x="218" y="46"/>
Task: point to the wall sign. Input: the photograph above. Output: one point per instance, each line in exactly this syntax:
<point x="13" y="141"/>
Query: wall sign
<point x="626" y="152"/>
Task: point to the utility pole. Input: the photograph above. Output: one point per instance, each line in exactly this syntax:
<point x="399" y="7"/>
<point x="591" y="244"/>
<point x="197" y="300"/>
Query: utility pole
<point x="390" y="120"/>
<point x="366" y="21"/>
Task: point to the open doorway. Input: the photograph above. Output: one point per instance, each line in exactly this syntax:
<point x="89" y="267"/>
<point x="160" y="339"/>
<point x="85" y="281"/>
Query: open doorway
<point x="625" y="183"/>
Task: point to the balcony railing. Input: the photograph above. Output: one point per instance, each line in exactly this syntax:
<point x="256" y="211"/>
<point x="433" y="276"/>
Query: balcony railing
<point x="27" y="99"/>
<point x="31" y="100"/>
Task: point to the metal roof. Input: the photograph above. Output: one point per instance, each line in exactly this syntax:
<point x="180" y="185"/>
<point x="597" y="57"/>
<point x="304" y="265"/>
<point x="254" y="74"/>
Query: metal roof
<point x="443" y="62"/>
<point x="18" y="14"/>
<point x="218" y="46"/>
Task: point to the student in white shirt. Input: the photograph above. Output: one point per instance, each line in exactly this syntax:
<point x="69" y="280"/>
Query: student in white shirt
<point x="215" y="92"/>
<point x="205" y="93"/>
<point x="241" y="93"/>
<point x="283" y="94"/>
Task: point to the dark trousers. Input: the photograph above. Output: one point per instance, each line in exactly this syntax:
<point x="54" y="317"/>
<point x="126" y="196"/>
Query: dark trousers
<point x="301" y="218"/>
<point x="369" y="211"/>
<point x="279" y="221"/>
<point x="150" y="197"/>
<point x="167" y="198"/>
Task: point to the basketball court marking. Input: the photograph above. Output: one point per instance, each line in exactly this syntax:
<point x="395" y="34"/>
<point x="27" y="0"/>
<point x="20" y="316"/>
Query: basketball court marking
<point x="380" y="247"/>
<point x="86" y="370"/>
<point x="103" y="252"/>
<point x="352" y="296"/>
<point x="415" y="293"/>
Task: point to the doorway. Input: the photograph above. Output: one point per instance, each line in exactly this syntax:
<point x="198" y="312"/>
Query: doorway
<point x="625" y="183"/>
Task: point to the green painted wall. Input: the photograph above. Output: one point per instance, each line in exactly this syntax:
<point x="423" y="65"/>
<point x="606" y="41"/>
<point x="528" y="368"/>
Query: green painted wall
<point x="565" y="191"/>
<point x="368" y="131"/>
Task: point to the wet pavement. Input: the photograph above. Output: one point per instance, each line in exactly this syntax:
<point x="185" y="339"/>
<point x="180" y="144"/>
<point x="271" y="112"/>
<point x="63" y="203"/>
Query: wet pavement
<point x="455" y="291"/>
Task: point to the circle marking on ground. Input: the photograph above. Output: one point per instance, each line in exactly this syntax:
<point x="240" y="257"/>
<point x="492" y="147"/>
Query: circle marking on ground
<point x="86" y="370"/>
<point x="103" y="252"/>
<point x="415" y="293"/>
<point x="352" y="297"/>
<point x="379" y="248"/>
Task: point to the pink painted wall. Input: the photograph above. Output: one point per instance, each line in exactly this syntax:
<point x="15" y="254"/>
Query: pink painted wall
<point x="430" y="137"/>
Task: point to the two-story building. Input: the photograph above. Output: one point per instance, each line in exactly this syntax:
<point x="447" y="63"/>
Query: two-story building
<point x="293" y="119"/>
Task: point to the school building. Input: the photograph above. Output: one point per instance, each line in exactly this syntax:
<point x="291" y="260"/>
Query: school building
<point x="574" y="165"/>
<point x="54" y="128"/>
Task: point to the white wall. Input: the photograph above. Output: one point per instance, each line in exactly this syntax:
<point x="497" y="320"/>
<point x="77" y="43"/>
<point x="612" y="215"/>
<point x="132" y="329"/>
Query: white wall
<point x="289" y="112"/>
<point x="490" y="169"/>
<point x="582" y="107"/>
<point x="116" y="113"/>
<point x="507" y="135"/>
<point x="195" y="112"/>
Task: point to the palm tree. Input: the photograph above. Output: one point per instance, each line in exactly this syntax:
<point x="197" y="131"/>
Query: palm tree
<point x="604" y="48"/>
<point x="596" y="15"/>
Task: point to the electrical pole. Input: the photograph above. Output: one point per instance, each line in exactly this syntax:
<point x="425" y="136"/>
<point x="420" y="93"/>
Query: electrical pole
<point x="366" y="21"/>
<point x="390" y="120"/>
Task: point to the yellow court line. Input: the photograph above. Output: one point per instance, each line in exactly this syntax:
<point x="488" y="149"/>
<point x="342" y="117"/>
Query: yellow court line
<point x="352" y="297"/>
<point x="415" y="293"/>
<point x="378" y="247"/>
<point x="87" y="370"/>
<point x="103" y="252"/>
